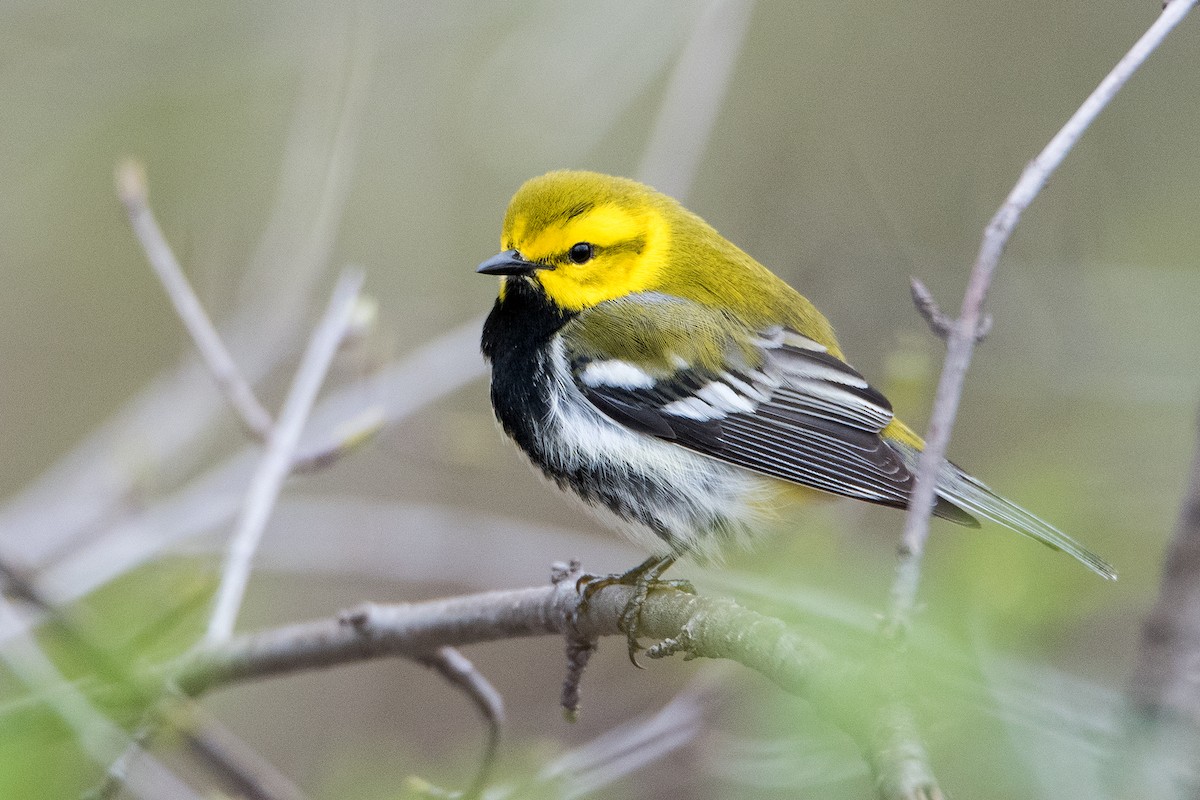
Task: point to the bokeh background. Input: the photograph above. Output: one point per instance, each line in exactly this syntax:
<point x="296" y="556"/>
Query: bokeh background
<point x="845" y="145"/>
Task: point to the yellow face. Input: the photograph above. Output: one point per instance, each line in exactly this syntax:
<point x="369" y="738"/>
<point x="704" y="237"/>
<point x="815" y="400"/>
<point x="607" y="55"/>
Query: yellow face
<point x="589" y="253"/>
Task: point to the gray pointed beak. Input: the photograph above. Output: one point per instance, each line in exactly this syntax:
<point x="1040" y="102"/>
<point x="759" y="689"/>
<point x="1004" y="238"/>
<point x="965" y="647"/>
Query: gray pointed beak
<point x="510" y="262"/>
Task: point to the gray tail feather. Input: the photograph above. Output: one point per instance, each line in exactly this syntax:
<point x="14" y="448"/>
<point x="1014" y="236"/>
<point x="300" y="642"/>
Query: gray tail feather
<point x="969" y="495"/>
<point x="976" y="498"/>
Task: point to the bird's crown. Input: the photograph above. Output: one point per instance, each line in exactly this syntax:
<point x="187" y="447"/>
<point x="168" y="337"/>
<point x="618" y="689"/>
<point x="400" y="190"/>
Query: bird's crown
<point x="591" y="237"/>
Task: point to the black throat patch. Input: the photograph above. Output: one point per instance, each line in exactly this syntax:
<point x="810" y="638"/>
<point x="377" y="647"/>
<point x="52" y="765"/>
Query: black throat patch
<point x="516" y="339"/>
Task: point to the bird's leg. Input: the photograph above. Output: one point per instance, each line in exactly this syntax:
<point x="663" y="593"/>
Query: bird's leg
<point x="642" y="578"/>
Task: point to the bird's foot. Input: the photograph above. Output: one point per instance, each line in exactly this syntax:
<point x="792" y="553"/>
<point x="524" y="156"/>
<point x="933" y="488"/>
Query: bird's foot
<point x="642" y="579"/>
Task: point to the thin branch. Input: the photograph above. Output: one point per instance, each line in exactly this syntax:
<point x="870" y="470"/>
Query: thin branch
<point x="280" y="451"/>
<point x="460" y="672"/>
<point x="251" y="775"/>
<point x="939" y="321"/>
<point x="131" y="188"/>
<point x="89" y="487"/>
<point x="909" y="776"/>
<point x="1164" y="724"/>
<point x="432" y="371"/>
<point x="962" y="339"/>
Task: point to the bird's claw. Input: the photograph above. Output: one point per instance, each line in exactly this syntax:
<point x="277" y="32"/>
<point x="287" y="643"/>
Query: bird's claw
<point x="641" y="579"/>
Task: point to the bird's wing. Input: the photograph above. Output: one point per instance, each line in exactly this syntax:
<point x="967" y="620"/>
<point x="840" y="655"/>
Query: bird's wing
<point x="771" y="400"/>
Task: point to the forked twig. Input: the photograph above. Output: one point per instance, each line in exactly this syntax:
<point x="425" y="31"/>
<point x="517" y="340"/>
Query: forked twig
<point x="941" y="323"/>
<point x="276" y="462"/>
<point x="961" y="343"/>
<point x="897" y="777"/>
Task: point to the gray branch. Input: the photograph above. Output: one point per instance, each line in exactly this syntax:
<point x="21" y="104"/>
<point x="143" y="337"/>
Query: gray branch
<point x="458" y="670"/>
<point x="1164" y="692"/>
<point x="846" y="693"/>
<point x="131" y="188"/>
<point x="961" y="343"/>
<point x="904" y="767"/>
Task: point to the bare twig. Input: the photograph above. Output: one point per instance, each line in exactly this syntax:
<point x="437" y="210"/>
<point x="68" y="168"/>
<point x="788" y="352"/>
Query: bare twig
<point x="909" y="776"/>
<point x="460" y="672"/>
<point x="962" y="339"/>
<point x="251" y="775"/>
<point x="435" y="369"/>
<point x="277" y="460"/>
<point x="1164" y="724"/>
<point x="89" y="486"/>
<point x="939" y="321"/>
<point x="131" y="188"/>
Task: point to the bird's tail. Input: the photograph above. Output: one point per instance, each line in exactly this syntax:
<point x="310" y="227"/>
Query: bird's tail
<point x="976" y="498"/>
<point x="970" y="495"/>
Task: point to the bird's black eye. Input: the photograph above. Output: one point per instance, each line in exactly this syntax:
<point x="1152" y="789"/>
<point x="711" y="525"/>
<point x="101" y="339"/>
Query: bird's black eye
<point x="581" y="252"/>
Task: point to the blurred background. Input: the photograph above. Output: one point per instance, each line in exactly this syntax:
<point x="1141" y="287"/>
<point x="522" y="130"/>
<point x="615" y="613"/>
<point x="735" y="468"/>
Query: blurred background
<point x="846" y="145"/>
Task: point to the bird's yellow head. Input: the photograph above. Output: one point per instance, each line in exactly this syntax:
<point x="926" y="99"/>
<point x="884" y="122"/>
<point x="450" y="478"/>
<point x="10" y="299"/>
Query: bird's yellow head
<point x="585" y="237"/>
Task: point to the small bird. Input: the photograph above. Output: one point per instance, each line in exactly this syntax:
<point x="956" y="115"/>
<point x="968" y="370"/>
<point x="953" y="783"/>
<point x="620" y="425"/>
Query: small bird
<point x="651" y="368"/>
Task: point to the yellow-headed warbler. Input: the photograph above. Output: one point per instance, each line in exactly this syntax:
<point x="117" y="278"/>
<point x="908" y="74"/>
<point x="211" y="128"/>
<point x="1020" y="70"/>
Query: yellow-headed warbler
<point x="651" y="368"/>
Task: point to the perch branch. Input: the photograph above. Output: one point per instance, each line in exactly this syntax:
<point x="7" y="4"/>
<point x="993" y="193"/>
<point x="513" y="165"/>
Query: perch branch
<point x="702" y="626"/>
